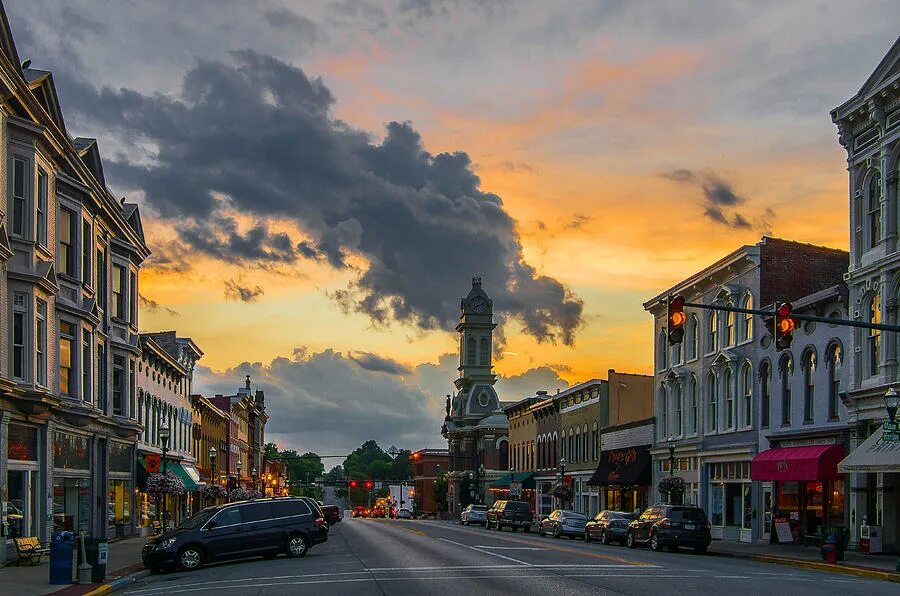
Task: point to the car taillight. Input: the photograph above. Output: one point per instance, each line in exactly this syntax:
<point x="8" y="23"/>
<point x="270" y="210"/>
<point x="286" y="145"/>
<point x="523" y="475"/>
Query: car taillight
<point x="665" y="523"/>
<point x="319" y="522"/>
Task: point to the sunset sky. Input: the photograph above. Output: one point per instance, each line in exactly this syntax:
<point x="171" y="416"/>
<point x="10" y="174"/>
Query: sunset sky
<point x="319" y="181"/>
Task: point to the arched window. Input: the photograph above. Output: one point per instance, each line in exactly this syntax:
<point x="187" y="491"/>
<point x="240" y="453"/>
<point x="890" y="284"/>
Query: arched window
<point x="662" y="350"/>
<point x="692" y="405"/>
<point x="584" y="444"/>
<point x="728" y="388"/>
<point x="809" y="385"/>
<point x="712" y="404"/>
<point x="677" y="353"/>
<point x="835" y="360"/>
<point x="747" y="395"/>
<point x="765" y="387"/>
<point x="729" y="328"/>
<point x="677" y="414"/>
<point x="595" y="442"/>
<point x="504" y="455"/>
<point x="470" y="351"/>
<point x="787" y="371"/>
<point x="576" y="455"/>
<point x="663" y="421"/>
<point x="873" y="345"/>
<point x="874" y="208"/>
<point x="747" y="331"/>
<point x="571" y="446"/>
<point x="712" y="333"/>
<point x="484" y="354"/>
<point x="692" y="337"/>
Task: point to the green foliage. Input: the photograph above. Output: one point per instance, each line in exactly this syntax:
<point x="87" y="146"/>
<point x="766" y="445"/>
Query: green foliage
<point x="441" y="488"/>
<point x="271" y="450"/>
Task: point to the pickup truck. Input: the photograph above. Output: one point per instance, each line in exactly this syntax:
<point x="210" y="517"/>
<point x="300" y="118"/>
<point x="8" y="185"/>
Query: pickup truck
<point x="333" y="514"/>
<point x="515" y="514"/>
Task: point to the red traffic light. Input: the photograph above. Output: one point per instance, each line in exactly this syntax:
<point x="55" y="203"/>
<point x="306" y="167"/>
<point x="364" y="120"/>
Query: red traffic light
<point x="354" y="484"/>
<point x="676" y="319"/>
<point x="369" y="484"/>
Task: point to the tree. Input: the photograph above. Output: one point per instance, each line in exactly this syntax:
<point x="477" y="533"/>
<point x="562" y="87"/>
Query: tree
<point x="271" y="451"/>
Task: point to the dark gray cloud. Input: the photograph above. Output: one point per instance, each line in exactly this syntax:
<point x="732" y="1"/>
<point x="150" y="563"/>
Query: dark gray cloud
<point x="236" y="290"/>
<point x="304" y="29"/>
<point x="154" y="306"/>
<point x="376" y="363"/>
<point x="719" y="197"/>
<point x="256" y="136"/>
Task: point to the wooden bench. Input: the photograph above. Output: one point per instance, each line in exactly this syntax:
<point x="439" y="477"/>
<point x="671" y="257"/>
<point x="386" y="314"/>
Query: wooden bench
<point x="30" y="548"/>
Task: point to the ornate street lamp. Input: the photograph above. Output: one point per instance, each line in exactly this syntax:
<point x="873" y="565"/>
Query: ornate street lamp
<point x="164" y="440"/>
<point x="671" y="444"/>
<point x="239" y="465"/>
<point x="212" y="468"/>
<point x="254" y="474"/>
<point x="891" y="401"/>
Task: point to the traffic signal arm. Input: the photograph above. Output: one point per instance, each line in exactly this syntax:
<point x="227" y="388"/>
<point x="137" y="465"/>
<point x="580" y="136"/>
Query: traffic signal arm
<point x="796" y="317"/>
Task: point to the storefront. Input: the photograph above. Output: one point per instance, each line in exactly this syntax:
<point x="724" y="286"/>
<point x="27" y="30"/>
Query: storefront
<point x="519" y="486"/>
<point x="807" y="491"/>
<point x="623" y="477"/>
<point x="71" y="482"/>
<point x="121" y="494"/>
<point x="21" y="509"/>
<point x="730" y="500"/>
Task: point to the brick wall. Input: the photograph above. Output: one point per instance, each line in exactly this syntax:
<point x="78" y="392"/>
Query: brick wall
<point x="790" y="270"/>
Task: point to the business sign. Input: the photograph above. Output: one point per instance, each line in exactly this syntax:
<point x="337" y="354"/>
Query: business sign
<point x="515" y="489"/>
<point x="890" y="432"/>
<point x="151" y="462"/>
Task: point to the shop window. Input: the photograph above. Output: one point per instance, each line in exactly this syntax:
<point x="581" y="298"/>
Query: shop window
<point x="71" y="504"/>
<point x="22" y="443"/>
<point x="119" y="503"/>
<point x="119" y="457"/>
<point x="71" y="452"/>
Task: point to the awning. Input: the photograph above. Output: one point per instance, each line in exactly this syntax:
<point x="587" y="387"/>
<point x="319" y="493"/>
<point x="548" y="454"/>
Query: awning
<point x="626" y="466"/>
<point x="809" y="462"/>
<point x="874" y="455"/>
<point x="190" y="485"/>
<point x="525" y="478"/>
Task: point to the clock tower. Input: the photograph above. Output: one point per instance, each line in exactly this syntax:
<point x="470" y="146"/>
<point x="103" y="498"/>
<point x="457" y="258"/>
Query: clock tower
<point x="475" y="328"/>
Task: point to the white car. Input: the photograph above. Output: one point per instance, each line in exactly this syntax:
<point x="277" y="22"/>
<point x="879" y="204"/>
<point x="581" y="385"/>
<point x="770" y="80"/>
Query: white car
<point x="474" y="514"/>
<point x="404" y="514"/>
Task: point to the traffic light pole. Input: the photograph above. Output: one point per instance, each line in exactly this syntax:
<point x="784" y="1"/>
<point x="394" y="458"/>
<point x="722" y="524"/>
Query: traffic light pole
<point x="771" y="313"/>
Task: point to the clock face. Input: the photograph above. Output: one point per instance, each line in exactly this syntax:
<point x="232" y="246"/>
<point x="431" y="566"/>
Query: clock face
<point x="479" y="305"/>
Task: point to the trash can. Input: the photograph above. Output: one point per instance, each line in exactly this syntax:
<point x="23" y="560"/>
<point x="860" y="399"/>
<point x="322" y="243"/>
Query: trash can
<point x="97" y="552"/>
<point x="63" y="555"/>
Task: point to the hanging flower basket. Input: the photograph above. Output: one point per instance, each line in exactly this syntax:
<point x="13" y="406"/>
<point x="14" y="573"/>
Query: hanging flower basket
<point x="671" y="486"/>
<point x="254" y="494"/>
<point x="562" y="491"/>
<point x="168" y="484"/>
<point x="238" y="494"/>
<point x="213" y="491"/>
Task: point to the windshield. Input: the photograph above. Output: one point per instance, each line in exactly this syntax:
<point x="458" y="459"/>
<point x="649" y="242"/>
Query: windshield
<point x="198" y="520"/>
<point x="518" y="506"/>
<point x="573" y="515"/>
<point x="688" y="514"/>
<point x="479" y="507"/>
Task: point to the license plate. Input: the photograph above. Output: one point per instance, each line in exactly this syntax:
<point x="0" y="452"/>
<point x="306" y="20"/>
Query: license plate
<point x="688" y="526"/>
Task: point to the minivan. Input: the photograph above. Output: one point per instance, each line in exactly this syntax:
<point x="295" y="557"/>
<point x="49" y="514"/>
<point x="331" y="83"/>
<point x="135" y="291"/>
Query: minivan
<point x="261" y="527"/>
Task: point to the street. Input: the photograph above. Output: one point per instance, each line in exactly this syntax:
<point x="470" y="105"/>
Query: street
<point x="364" y="556"/>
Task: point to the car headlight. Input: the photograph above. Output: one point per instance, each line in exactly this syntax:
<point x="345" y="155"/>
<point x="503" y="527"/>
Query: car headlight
<point x="164" y="544"/>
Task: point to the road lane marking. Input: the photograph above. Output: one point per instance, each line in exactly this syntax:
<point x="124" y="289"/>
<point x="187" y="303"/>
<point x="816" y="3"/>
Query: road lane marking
<point x="487" y="552"/>
<point x="508" y="547"/>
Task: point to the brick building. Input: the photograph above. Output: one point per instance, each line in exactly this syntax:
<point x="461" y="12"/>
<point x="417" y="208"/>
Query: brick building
<point x="428" y="466"/>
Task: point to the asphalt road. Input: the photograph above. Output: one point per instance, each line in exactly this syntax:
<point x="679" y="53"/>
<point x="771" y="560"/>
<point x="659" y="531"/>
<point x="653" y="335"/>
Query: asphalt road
<point x="411" y="558"/>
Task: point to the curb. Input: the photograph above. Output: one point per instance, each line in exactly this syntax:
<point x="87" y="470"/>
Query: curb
<point x="119" y="583"/>
<point x="817" y="565"/>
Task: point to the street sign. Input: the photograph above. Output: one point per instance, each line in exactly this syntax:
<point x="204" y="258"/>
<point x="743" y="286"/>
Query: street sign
<point x="890" y="432"/>
<point x="515" y="489"/>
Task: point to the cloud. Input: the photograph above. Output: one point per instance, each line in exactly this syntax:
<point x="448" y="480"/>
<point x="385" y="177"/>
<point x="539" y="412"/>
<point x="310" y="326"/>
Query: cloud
<point x="719" y="195"/>
<point x="154" y="306"/>
<point x="528" y="383"/>
<point x="376" y="363"/>
<point x="328" y="403"/>
<point x="235" y="290"/>
<point x="256" y="137"/>
<point x="303" y="29"/>
<point x="579" y="220"/>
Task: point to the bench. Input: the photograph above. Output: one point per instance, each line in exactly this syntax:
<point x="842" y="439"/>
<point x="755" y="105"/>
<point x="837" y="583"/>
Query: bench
<point x="30" y="548"/>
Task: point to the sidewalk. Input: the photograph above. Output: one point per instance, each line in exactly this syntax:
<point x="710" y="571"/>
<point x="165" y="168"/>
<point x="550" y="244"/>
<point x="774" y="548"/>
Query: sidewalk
<point x="854" y="563"/>
<point x="124" y="560"/>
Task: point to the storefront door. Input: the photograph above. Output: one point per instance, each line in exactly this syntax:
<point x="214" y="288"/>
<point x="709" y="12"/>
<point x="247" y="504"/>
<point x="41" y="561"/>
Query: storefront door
<point x="767" y="512"/>
<point x="20" y="509"/>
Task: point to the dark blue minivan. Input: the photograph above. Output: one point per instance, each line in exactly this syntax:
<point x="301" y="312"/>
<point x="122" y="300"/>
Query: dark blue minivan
<point x="261" y="527"/>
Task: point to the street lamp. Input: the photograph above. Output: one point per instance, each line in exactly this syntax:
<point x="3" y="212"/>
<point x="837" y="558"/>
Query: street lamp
<point x="671" y="444"/>
<point x="254" y="474"/>
<point x="212" y="466"/>
<point x="164" y="440"/>
<point x="562" y="475"/>
<point x="891" y="401"/>
<point x="239" y="465"/>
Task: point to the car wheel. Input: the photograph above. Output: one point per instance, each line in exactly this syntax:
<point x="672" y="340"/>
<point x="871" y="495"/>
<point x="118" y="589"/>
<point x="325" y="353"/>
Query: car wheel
<point x="556" y="533"/>
<point x="190" y="558"/>
<point x="700" y="549"/>
<point x="587" y="536"/>
<point x="655" y="543"/>
<point x="541" y="530"/>
<point x="604" y="538"/>
<point x="527" y="529"/>
<point x="629" y="540"/>
<point x="297" y="546"/>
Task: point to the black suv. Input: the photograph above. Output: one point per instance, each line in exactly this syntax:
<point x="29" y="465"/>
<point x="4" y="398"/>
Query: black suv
<point x="264" y="527"/>
<point x="515" y="514"/>
<point x="672" y="526"/>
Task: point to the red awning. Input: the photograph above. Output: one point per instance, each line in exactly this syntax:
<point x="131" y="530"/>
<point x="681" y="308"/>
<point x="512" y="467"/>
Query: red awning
<point x="810" y="462"/>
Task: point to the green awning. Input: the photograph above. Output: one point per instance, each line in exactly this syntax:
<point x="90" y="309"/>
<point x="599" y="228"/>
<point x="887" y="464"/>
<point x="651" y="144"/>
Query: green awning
<point x="190" y="485"/>
<point x="525" y="478"/>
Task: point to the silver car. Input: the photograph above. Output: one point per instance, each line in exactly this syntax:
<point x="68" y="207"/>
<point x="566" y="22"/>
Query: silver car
<point x="473" y="514"/>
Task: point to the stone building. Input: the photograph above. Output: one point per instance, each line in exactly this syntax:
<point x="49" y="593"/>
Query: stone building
<point x="71" y="254"/>
<point x="869" y="131"/>
<point x="724" y="393"/>
<point x="519" y="482"/>
<point x="547" y="470"/>
<point x="210" y="431"/>
<point x="475" y="427"/>
<point x="579" y="437"/>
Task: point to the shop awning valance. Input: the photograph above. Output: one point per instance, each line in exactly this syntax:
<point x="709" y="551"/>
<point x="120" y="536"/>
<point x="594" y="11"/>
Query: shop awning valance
<point x="874" y="455"/>
<point x="179" y="470"/>
<point x="626" y="466"/>
<point x="808" y="462"/>
<point x="525" y="478"/>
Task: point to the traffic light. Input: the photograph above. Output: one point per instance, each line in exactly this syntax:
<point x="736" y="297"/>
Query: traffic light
<point x="369" y="484"/>
<point x="784" y="326"/>
<point x="353" y="484"/>
<point x="676" y="320"/>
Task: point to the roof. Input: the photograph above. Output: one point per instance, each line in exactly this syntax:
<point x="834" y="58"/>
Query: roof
<point x="888" y="69"/>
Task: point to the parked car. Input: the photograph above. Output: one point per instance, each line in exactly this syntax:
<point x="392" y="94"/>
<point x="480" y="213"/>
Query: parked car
<point x="515" y="514"/>
<point x="332" y="514"/>
<point x="404" y="513"/>
<point x="359" y="511"/>
<point x="609" y="526"/>
<point x="474" y="514"/>
<point x="563" y="522"/>
<point x="672" y="526"/>
<point x="264" y="527"/>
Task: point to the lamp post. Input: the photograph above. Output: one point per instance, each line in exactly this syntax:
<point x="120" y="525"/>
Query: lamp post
<point x="254" y="474"/>
<point x="481" y="483"/>
<point x="891" y="401"/>
<point x="562" y="475"/>
<point x="212" y="469"/>
<point x="471" y="487"/>
<point x="239" y="465"/>
<point x="164" y="441"/>
<point x="512" y="478"/>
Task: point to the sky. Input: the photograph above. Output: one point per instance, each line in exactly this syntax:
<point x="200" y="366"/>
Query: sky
<point x="319" y="181"/>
